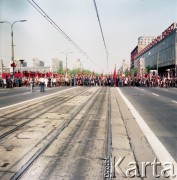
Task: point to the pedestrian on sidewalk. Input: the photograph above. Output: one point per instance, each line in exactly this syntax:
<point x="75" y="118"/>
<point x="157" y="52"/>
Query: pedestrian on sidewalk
<point x="32" y="84"/>
<point x="4" y="83"/>
<point x="42" y="81"/>
<point x="46" y="81"/>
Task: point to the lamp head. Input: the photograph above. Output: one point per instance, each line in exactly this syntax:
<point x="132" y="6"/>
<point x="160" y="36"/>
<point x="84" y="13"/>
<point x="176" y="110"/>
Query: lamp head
<point x="23" y="20"/>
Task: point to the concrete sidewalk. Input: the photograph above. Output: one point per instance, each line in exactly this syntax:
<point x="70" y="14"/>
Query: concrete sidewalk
<point x="129" y="145"/>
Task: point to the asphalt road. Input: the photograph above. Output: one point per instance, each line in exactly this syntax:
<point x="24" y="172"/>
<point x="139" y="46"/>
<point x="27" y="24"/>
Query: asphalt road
<point x="72" y="134"/>
<point x="20" y="94"/>
<point x="158" y="107"/>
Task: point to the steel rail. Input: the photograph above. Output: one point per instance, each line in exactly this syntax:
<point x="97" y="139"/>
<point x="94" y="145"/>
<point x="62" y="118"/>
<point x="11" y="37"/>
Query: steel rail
<point x="44" y="101"/>
<point x="109" y="136"/>
<point x="23" y="124"/>
<point x="56" y="133"/>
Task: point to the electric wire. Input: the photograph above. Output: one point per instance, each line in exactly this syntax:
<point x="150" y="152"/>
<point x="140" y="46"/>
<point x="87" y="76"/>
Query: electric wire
<point x="44" y="14"/>
<point x="96" y="9"/>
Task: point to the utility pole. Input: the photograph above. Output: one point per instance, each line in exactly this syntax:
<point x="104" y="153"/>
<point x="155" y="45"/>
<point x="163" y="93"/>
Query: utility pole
<point x="12" y="41"/>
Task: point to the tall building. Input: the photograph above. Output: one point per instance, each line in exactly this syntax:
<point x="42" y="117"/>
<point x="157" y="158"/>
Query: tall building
<point x="143" y="41"/>
<point x="19" y="64"/>
<point x="124" y="67"/>
<point x="61" y="64"/>
<point x="161" y="53"/>
<point x="38" y="63"/>
<point x="56" y="64"/>
<point x="1" y="67"/>
<point x="24" y="64"/>
<point x="77" y="64"/>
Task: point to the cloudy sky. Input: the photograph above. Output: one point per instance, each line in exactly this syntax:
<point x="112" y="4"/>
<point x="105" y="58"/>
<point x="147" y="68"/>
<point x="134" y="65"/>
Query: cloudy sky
<point x="123" y="21"/>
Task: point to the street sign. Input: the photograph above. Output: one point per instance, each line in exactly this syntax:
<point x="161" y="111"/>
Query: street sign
<point x="13" y="65"/>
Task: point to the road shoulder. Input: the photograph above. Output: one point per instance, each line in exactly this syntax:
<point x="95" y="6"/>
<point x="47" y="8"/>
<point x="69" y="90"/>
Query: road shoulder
<point x="128" y="141"/>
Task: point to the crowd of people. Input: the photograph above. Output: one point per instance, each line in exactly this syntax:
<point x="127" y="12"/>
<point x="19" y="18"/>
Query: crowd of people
<point x="107" y="80"/>
<point x="24" y="81"/>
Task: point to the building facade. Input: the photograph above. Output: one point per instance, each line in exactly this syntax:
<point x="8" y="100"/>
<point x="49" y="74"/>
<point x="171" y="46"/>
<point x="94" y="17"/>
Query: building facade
<point x="161" y="53"/>
<point x="143" y="41"/>
<point x="1" y="67"/>
<point x="77" y="64"/>
<point x="33" y="69"/>
<point x="38" y="63"/>
<point x="56" y="64"/>
<point x="125" y="67"/>
<point x="19" y="63"/>
<point x="38" y="66"/>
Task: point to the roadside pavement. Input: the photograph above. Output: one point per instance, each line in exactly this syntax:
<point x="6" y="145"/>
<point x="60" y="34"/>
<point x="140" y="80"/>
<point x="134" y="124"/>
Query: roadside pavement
<point x="132" y="155"/>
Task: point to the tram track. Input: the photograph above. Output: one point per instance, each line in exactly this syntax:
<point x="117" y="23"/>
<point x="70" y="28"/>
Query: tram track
<point x="108" y="142"/>
<point x="83" y="138"/>
<point x="27" y="108"/>
<point x="55" y="134"/>
<point x="79" y="150"/>
<point x="55" y="102"/>
<point x="109" y="128"/>
<point x="90" y="135"/>
<point x="33" y="106"/>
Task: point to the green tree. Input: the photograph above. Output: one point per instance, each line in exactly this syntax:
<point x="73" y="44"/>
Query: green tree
<point x="133" y="71"/>
<point x="148" y="69"/>
<point x="127" y="72"/>
<point x="60" y="71"/>
<point x="74" y="72"/>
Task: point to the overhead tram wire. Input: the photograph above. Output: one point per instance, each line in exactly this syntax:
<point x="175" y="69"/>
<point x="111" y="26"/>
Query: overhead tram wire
<point x="94" y="1"/>
<point x="44" y="14"/>
<point x="39" y="9"/>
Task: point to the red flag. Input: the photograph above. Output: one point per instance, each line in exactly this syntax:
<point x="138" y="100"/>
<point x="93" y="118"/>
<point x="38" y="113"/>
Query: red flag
<point x="29" y="76"/>
<point x="114" y="76"/>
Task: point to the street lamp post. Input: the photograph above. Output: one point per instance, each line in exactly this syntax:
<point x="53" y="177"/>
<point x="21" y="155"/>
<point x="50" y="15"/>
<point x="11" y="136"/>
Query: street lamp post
<point x="66" y="54"/>
<point x="12" y="41"/>
<point x="158" y="63"/>
<point x="107" y="61"/>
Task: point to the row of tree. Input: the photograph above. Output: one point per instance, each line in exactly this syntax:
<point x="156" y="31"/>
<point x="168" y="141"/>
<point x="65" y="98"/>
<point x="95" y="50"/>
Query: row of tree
<point x="133" y="71"/>
<point x="80" y="71"/>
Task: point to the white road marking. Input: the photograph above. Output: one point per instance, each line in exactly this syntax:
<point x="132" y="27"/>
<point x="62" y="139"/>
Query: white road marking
<point x="174" y="101"/>
<point x="161" y="152"/>
<point x="161" y="89"/>
<point x="165" y="89"/>
<point x="35" y="99"/>
<point x="14" y="94"/>
<point x="142" y="89"/>
<point x="3" y="92"/>
<point x="155" y="94"/>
